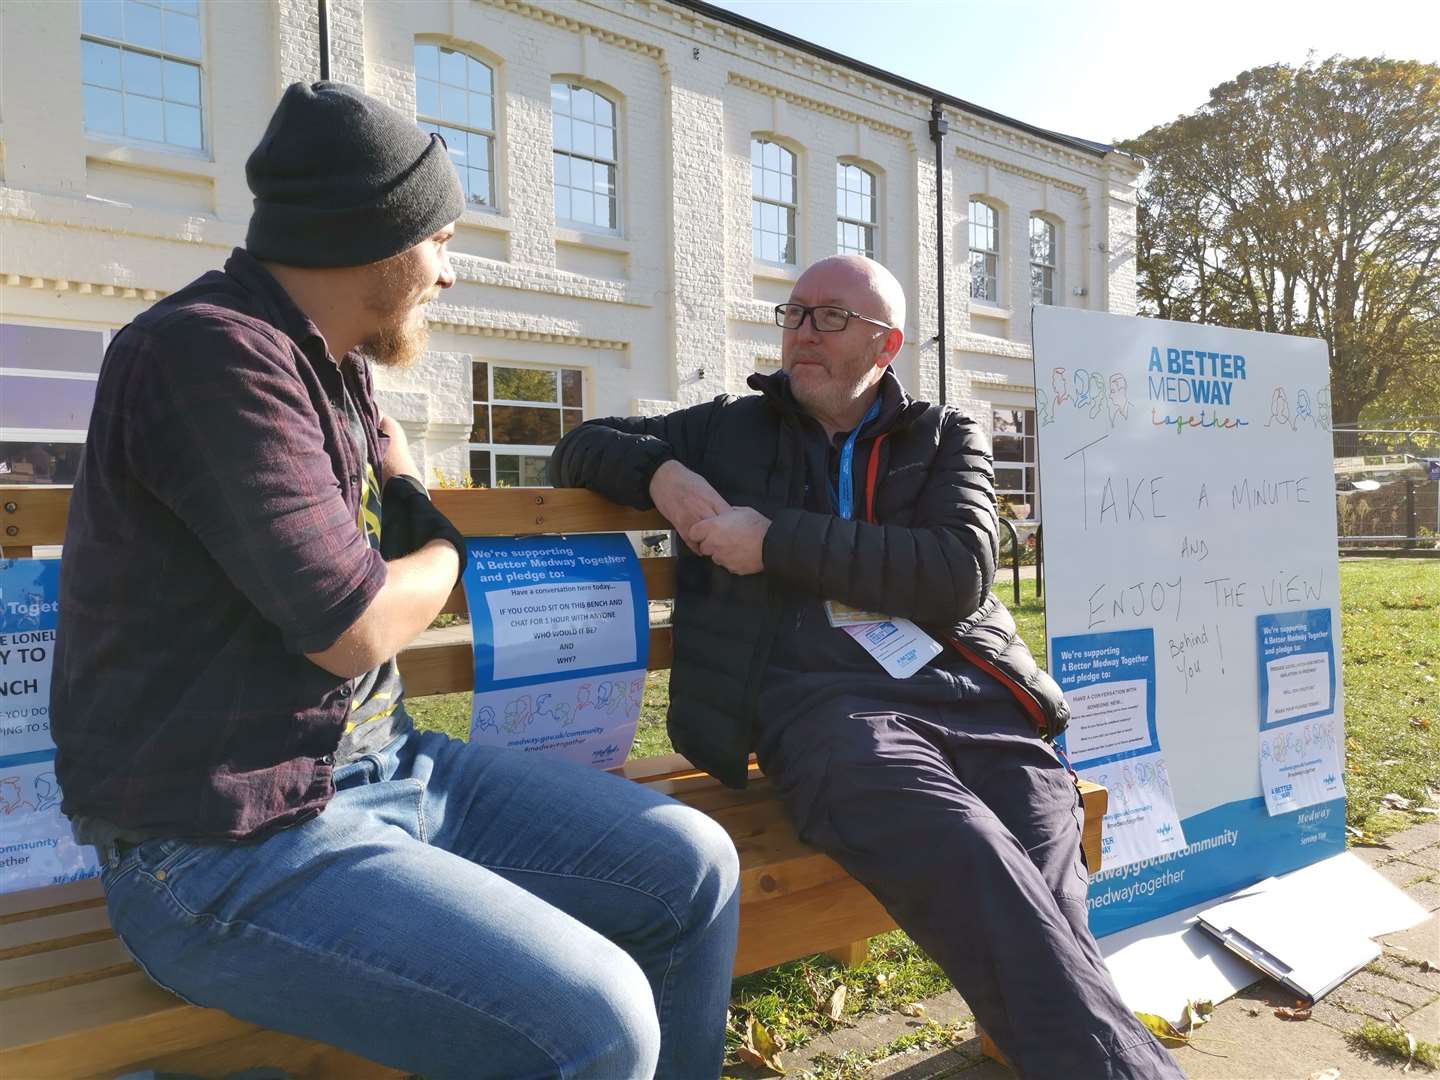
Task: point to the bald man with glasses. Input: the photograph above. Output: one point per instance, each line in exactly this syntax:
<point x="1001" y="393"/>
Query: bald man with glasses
<point x="834" y="614"/>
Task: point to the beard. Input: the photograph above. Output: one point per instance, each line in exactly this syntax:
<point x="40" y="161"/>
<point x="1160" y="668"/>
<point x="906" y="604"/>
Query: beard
<point x="399" y="344"/>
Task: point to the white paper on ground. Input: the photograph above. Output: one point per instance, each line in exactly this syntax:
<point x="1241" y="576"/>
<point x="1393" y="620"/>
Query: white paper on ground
<point x="1161" y="964"/>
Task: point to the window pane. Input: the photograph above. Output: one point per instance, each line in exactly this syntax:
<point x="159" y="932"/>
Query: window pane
<point x="427" y="98"/>
<point x="582" y="207"/>
<point x="560" y="98"/>
<point x="480" y="427"/>
<point x="480" y="381"/>
<point x="144" y="118"/>
<point x="560" y="131"/>
<point x="771" y="159"/>
<point x="1008" y="447"/>
<point x="479" y="76"/>
<point x="571" y="384"/>
<point x="480" y="468"/>
<point x="39" y="463"/>
<point x="605" y="143"/>
<point x="101" y="17"/>
<point x="182" y="35"/>
<point x="604" y="112"/>
<point x="571" y="419"/>
<point x="100" y="64"/>
<point x="481" y="115"/>
<point x="770" y="187"/>
<point x="582" y="137"/>
<point x="562" y="170"/>
<point x="142" y="25"/>
<point x="143" y="74"/>
<point x="427" y="62"/>
<point x="452" y="67"/>
<point x="1009" y="479"/>
<point x="452" y="105"/>
<point x="756" y="152"/>
<point x="524" y="424"/>
<point x="182" y="126"/>
<point x="582" y="104"/>
<point x="182" y="83"/>
<point x="185" y="7"/>
<point x="582" y="174"/>
<point x="562" y="204"/>
<point x="533" y="471"/>
<point x="103" y="111"/>
<point x="524" y="384"/>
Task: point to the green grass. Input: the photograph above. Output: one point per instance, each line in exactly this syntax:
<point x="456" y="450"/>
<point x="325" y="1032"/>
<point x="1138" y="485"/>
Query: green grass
<point x="1391" y="635"/>
<point x="1386" y="1040"/>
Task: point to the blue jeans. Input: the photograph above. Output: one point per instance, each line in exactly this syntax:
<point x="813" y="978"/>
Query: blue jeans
<point x="458" y="911"/>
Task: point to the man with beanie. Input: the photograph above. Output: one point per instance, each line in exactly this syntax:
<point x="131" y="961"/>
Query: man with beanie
<point x="249" y="546"/>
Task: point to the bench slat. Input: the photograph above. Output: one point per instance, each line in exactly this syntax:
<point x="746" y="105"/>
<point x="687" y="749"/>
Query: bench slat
<point x="54" y="931"/>
<point x="40" y="973"/>
<point x="810" y="921"/>
<point x="532" y="511"/>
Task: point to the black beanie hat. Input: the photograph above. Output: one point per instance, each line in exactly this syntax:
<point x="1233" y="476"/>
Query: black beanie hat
<point x="341" y="179"/>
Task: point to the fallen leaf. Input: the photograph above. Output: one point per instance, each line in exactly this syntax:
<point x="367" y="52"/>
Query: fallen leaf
<point x="1422" y="722"/>
<point x="1411" y="1059"/>
<point x="912" y="1009"/>
<point x="761" y="1049"/>
<point x="1195" y="1014"/>
<point x="836" y="1008"/>
<point x="1395" y="800"/>
<point x="1331" y="1073"/>
<point x="1426" y="966"/>
<point x="1162" y="1029"/>
<point x="1287" y="1013"/>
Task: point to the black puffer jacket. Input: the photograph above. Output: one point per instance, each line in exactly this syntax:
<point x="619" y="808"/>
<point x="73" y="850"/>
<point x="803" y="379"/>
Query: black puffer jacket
<point x="927" y="552"/>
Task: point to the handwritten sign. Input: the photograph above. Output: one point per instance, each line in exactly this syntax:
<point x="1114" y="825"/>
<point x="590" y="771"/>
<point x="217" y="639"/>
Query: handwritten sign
<point x="561" y="638"/>
<point x="36" y="847"/>
<point x="1187" y="495"/>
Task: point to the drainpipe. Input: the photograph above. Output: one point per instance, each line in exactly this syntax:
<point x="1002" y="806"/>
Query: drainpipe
<point x="938" y="126"/>
<point x="324" y="39"/>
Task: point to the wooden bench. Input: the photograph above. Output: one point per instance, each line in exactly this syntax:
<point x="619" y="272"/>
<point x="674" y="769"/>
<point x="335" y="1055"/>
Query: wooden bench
<point x="73" y="1004"/>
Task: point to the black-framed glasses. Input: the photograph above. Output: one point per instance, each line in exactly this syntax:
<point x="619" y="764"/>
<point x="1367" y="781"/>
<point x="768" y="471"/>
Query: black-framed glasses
<point x="826" y="318"/>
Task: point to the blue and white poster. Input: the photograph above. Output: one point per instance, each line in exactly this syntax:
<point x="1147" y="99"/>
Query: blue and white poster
<point x="1300" y="756"/>
<point x="36" y="847"/>
<point x="561" y="635"/>
<point x="1109" y="682"/>
<point x="1186" y="487"/>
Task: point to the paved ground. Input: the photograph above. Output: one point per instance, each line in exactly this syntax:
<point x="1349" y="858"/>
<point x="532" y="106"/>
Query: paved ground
<point x="1244" y="1040"/>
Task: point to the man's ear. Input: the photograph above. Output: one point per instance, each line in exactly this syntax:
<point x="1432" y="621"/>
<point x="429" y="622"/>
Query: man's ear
<point x="891" y="348"/>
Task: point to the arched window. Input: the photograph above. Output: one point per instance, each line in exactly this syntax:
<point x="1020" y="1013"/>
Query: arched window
<point x="1042" y="261"/>
<point x="587" y="162"/>
<point x="855" y="225"/>
<point x="984" y="252"/>
<point x="774" y="200"/>
<point x="455" y="96"/>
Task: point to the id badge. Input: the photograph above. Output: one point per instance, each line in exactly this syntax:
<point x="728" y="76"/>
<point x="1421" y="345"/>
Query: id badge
<point x="843" y="615"/>
<point x="898" y="645"/>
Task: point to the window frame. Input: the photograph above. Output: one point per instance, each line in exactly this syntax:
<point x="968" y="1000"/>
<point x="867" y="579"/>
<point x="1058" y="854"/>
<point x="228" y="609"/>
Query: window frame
<point x="1049" y="272"/>
<point x="1028" y="464"/>
<point x="594" y="160"/>
<point x="870" y="229"/>
<point x="990" y="255"/>
<point x="122" y="47"/>
<point x="758" y="200"/>
<point x="432" y="122"/>
<point x="536" y="450"/>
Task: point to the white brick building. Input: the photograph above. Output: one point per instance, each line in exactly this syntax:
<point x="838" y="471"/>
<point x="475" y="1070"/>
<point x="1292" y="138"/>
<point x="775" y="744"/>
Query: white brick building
<point x="124" y="131"/>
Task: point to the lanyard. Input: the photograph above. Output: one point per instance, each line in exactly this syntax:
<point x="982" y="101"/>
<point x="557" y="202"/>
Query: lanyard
<point x="845" y="500"/>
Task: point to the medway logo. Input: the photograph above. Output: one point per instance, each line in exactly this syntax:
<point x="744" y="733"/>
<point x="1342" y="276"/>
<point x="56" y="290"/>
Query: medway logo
<point x="1165" y="830"/>
<point x="1330" y="780"/>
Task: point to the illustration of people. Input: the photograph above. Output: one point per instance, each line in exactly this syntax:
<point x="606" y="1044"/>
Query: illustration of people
<point x="1096" y="393"/>
<point x="1042" y="407"/>
<point x="637" y="693"/>
<point x="517" y="715"/>
<point x="1162" y="779"/>
<point x="1119" y="398"/>
<point x="1057" y="380"/>
<point x="562" y="713"/>
<point x="1302" y="408"/>
<point x="485" y="719"/>
<point x="1322" y="406"/>
<point x="617" y="698"/>
<point x="12" y="797"/>
<point x="47" y="791"/>
<point x="602" y="697"/>
<point x="1082" y="388"/>
<point x="1279" y="408"/>
<point x="1278" y="749"/>
<point x="582" y="698"/>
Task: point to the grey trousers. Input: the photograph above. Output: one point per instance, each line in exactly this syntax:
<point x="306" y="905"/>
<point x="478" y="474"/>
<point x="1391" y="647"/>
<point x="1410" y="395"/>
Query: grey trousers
<point x="967" y="829"/>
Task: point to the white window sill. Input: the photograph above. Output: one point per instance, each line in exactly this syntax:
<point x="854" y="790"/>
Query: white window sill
<point x="990" y="311"/>
<point x="774" y="271"/>
<point x="600" y="241"/>
<point x="150" y="156"/>
<point x="485" y="218"/>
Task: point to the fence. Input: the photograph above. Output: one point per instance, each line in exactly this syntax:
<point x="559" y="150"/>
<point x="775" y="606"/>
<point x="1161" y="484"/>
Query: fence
<point x="1385" y="488"/>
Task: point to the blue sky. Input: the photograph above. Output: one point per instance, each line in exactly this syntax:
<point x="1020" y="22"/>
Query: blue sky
<point x="1100" y="69"/>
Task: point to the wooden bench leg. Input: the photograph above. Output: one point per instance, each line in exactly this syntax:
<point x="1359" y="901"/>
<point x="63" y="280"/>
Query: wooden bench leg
<point x="852" y="955"/>
<point x="990" y="1050"/>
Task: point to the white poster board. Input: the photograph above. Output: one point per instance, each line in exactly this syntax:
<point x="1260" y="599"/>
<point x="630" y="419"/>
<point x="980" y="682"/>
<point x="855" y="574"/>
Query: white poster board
<point x="1192" y="599"/>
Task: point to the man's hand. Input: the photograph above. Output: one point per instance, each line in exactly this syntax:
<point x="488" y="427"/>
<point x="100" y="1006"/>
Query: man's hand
<point x="684" y="498"/>
<point x="734" y="539"/>
<point x="398" y="459"/>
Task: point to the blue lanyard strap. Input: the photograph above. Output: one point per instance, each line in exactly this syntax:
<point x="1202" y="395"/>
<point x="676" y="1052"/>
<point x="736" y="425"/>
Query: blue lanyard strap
<point x="845" y="500"/>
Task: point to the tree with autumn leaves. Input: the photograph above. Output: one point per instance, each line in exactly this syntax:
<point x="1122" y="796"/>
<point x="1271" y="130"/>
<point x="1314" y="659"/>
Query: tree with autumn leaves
<point x="1306" y="200"/>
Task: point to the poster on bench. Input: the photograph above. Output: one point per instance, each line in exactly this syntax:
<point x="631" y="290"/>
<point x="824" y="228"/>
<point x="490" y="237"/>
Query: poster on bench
<point x="1187" y="495"/>
<point x="36" y="847"/>
<point x="561" y="633"/>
